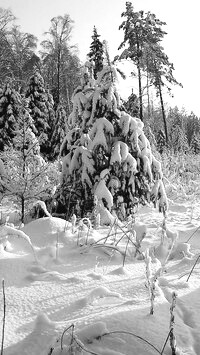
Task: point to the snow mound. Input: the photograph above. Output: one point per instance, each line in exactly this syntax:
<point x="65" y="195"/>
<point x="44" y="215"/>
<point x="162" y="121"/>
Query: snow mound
<point x="43" y="231"/>
<point x="32" y="342"/>
<point x="119" y="271"/>
<point x="95" y="276"/>
<point x="101" y="292"/>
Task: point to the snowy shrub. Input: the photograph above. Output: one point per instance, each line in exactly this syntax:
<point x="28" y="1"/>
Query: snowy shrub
<point x="181" y="173"/>
<point x="27" y="176"/>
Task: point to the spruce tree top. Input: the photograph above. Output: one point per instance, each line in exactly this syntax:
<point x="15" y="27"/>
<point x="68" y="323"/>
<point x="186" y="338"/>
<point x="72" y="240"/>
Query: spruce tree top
<point x="96" y="52"/>
<point x="10" y="106"/>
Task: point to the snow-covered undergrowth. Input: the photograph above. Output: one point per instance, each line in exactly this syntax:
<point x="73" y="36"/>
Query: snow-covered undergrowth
<point x="87" y="291"/>
<point x="181" y="175"/>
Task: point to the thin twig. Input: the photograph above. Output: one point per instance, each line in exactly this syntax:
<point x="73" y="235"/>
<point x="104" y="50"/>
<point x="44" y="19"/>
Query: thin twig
<point x="82" y="347"/>
<point x="136" y="336"/>
<point x="193" y="234"/>
<point x="165" y="343"/>
<point x="193" y="268"/>
<point x="4" y="316"/>
<point x="125" y="252"/>
<point x="125" y="234"/>
<point x="109" y="247"/>
<point x="115" y="221"/>
<point x="63" y="333"/>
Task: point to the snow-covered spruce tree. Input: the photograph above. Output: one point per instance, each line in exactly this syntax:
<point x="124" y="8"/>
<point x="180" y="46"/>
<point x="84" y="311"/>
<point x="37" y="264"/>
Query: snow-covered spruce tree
<point x="96" y="53"/>
<point x="195" y="144"/>
<point x="10" y="103"/>
<point x="25" y="176"/>
<point x="177" y="139"/>
<point x="59" y="132"/>
<point x="161" y="141"/>
<point x="132" y="105"/>
<point x="106" y="156"/>
<point x="41" y="110"/>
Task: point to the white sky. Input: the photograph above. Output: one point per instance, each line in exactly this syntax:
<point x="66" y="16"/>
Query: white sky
<point x="181" y="43"/>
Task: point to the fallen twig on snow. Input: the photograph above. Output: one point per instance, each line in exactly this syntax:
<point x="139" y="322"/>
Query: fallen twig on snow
<point x="190" y="273"/>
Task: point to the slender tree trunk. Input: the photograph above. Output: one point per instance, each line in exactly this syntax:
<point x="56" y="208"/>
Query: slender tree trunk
<point x="22" y="208"/>
<point x="148" y="98"/>
<point x="68" y="100"/>
<point x="163" y="111"/>
<point x="58" y="78"/>
<point x="139" y="78"/>
<point x="23" y="172"/>
<point x="140" y="92"/>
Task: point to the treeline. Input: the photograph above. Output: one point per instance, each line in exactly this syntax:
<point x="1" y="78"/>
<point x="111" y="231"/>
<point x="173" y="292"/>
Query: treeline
<point x="57" y="61"/>
<point x="183" y="127"/>
<point x="41" y="84"/>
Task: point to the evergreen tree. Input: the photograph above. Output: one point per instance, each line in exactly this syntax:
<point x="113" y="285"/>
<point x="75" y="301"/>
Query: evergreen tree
<point x="96" y="52"/>
<point x="59" y="132"/>
<point x="41" y="110"/>
<point x="106" y="156"/>
<point x="192" y="126"/>
<point x="132" y="105"/>
<point x="142" y="31"/>
<point x="143" y="34"/>
<point x="161" y="76"/>
<point x="10" y="104"/>
<point x="178" y="140"/>
<point x="161" y="141"/>
<point x="195" y="144"/>
<point x="48" y="150"/>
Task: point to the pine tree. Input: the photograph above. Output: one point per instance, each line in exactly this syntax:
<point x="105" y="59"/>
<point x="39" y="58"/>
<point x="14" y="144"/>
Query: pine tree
<point x="10" y="103"/>
<point x="178" y="140"/>
<point x="106" y="157"/>
<point x="142" y="32"/>
<point x="161" y="141"/>
<point x="195" y="144"/>
<point x="192" y="126"/>
<point x="96" y="53"/>
<point x="41" y="110"/>
<point x="59" y="132"/>
<point x="132" y="105"/>
<point x="48" y="149"/>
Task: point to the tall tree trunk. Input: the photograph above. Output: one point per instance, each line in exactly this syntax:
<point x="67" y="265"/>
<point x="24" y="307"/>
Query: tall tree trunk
<point x="140" y="92"/>
<point x="139" y="77"/>
<point x="148" y="98"/>
<point x="58" y="79"/>
<point x="163" y="110"/>
<point x="22" y="208"/>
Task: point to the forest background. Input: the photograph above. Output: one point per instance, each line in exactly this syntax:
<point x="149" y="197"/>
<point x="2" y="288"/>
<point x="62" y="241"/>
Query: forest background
<point x="38" y="82"/>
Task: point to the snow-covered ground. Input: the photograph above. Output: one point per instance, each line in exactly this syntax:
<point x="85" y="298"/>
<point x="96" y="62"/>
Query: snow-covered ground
<point x="86" y="288"/>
